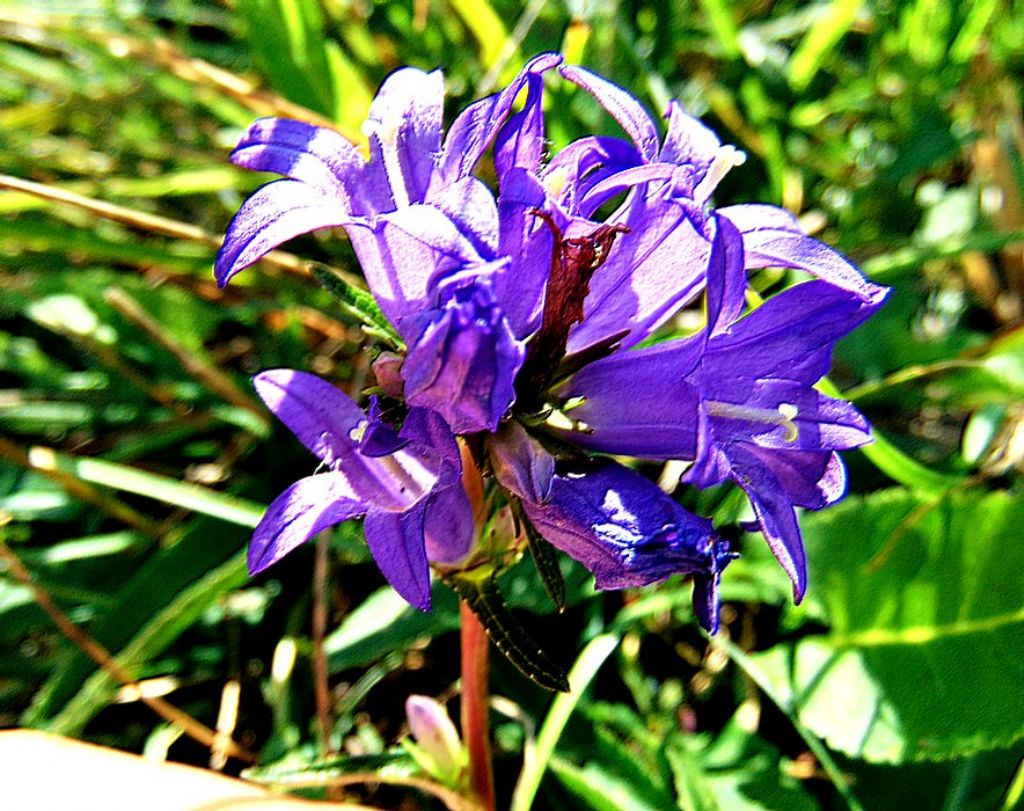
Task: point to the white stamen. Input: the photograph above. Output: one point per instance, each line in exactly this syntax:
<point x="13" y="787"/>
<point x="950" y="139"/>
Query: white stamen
<point x="556" y="419"/>
<point x="357" y="433"/>
<point x="783" y="416"/>
<point x="727" y="157"/>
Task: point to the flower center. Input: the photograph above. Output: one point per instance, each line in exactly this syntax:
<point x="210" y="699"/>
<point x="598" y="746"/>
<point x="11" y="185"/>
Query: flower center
<point x="784" y="416"/>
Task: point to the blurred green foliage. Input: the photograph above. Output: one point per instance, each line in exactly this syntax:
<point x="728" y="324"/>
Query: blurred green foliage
<point x="133" y="459"/>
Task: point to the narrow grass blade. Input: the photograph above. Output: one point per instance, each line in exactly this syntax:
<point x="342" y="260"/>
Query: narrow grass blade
<point x="583" y="671"/>
<point x="131" y="480"/>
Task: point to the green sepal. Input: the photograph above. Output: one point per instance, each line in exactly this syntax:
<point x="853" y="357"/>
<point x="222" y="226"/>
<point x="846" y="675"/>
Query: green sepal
<point x="545" y="559"/>
<point x="360" y="304"/>
<point x="479" y="589"/>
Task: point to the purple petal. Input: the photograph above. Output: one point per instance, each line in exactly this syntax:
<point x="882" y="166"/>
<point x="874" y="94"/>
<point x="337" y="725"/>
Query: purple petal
<point x="521" y="464"/>
<point x="574" y="170"/>
<point x="469" y="204"/>
<point x="397" y="545"/>
<point x="528" y="241"/>
<point x="688" y="141"/>
<point x="623" y="528"/>
<point x="625" y="109"/>
<point x="811" y="479"/>
<point x="473" y="130"/>
<point x="431" y="440"/>
<point x="409" y="249"/>
<point x="449" y="527"/>
<point x="750" y="217"/>
<point x="315" y="155"/>
<point x="727" y="280"/>
<point x="637" y="403"/>
<point x="598" y="194"/>
<point x="776" y="517"/>
<point x="831" y="485"/>
<point x="777" y="248"/>
<point x="433" y="228"/>
<point x="464" y="362"/>
<point x="790" y="336"/>
<point x="706" y="601"/>
<point x="710" y="464"/>
<point x="651" y="272"/>
<point x="322" y="416"/>
<point x="404" y="125"/>
<point x="520" y="143"/>
<point x="330" y="424"/>
<point x="379" y="436"/>
<point x="804" y="419"/>
<point x="300" y="512"/>
<point x="280" y="211"/>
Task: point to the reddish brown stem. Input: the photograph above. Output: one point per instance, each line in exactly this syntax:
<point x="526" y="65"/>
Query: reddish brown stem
<point x="319" y="631"/>
<point x="476" y="705"/>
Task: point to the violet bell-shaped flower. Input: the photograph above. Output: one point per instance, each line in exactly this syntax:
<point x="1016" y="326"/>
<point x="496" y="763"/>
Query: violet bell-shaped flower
<point x="415" y="217"/>
<point x="499" y="300"/>
<point x="407" y="484"/>
<point x="737" y="399"/>
<point x="660" y="266"/>
<point x="617" y="523"/>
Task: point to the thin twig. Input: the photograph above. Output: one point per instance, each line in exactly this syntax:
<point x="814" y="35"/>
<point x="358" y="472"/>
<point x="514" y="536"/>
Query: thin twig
<point x="319" y="631"/>
<point x="212" y="377"/>
<point x="81" y="490"/>
<point x="157" y="224"/>
<point x="162" y="53"/>
<point x="95" y="651"/>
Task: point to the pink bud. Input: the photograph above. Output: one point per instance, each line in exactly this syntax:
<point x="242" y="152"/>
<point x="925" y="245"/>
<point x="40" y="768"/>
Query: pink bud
<point x="435" y="733"/>
<point x="388" y="371"/>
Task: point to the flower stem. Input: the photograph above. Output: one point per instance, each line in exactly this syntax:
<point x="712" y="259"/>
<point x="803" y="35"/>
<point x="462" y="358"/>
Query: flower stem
<point x="476" y="705"/>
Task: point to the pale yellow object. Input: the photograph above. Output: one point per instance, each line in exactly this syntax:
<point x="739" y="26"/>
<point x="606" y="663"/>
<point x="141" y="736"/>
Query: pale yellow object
<point x="42" y="772"/>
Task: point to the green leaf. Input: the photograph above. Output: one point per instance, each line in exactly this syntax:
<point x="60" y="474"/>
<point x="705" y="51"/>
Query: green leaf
<point x="287" y="38"/>
<point x="487" y="27"/>
<point x="546" y="561"/>
<point x="480" y="590"/>
<point x="925" y="598"/>
<point x="385" y="622"/>
<point x="742" y="770"/>
<point x="154" y="637"/>
<point x="600" y="788"/>
<point x="820" y="40"/>
<point x="170" y="491"/>
<point x="583" y="672"/>
<point x="154" y="606"/>
<point x="359" y="304"/>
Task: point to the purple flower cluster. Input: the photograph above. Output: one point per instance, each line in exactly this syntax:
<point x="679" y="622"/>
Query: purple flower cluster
<point x="529" y="325"/>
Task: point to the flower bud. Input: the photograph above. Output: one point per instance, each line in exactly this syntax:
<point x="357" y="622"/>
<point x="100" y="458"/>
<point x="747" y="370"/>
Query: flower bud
<point x="436" y="737"/>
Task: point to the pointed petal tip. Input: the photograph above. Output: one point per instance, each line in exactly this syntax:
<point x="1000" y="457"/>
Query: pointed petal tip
<point x="545" y="61"/>
<point x="224" y="267"/>
<point x="256" y="562"/>
<point x="876" y="294"/>
<point x="270" y="384"/>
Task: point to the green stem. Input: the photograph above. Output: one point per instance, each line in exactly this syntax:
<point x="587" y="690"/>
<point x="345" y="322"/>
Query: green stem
<point x="475" y="705"/>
